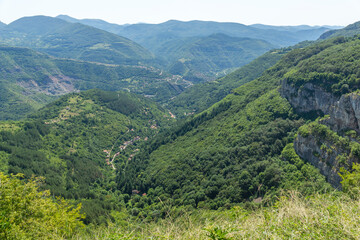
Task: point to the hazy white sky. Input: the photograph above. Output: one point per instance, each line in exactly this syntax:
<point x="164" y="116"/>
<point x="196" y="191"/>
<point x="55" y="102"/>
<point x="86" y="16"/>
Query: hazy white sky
<point x="272" y="12"/>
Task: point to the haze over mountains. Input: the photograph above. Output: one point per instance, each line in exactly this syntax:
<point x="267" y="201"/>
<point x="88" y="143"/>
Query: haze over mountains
<point x="62" y="39"/>
<point x="277" y="35"/>
<point x="347" y="31"/>
<point x="168" y="38"/>
<point x="201" y="58"/>
<point x="293" y="28"/>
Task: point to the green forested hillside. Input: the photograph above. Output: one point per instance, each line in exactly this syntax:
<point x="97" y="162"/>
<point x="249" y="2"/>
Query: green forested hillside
<point x="348" y="31"/>
<point x="240" y="169"/>
<point x="150" y="82"/>
<point x="238" y="150"/>
<point x="334" y="67"/>
<point x="29" y="80"/>
<point x="205" y="57"/>
<point x="241" y="148"/>
<point x="235" y="151"/>
<point x="27" y="212"/>
<point x="73" y="40"/>
<point x="201" y="96"/>
<point x="79" y="142"/>
<point x="90" y="44"/>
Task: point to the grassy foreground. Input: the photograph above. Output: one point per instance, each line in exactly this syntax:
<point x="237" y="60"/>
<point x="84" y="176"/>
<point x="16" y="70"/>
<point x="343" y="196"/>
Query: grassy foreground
<point x="322" y="216"/>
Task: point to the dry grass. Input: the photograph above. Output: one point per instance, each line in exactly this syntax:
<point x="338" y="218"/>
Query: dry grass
<point x="322" y="216"/>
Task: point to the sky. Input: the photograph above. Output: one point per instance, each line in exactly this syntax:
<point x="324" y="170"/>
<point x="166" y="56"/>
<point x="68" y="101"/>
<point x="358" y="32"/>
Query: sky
<point x="270" y="12"/>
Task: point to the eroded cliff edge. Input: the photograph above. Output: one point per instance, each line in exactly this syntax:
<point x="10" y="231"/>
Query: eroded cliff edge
<point x="331" y="142"/>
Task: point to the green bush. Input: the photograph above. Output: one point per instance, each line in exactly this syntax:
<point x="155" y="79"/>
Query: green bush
<point x="27" y="213"/>
<point x="351" y="180"/>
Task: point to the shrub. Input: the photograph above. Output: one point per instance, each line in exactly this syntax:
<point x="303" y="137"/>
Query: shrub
<point x="27" y="213"/>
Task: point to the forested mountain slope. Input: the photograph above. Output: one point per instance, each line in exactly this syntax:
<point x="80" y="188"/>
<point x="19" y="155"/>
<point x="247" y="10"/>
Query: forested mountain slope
<point x="348" y="31"/>
<point x="79" y="142"/>
<point x="201" y="96"/>
<point x="30" y="79"/>
<point x="202" y="58"/>
<point x="296" y="127"/>
<point x="73" y="40"/>
<point x="263" y="162"/>
<point x="243" y="147"/>
<point x="328" y="84"/>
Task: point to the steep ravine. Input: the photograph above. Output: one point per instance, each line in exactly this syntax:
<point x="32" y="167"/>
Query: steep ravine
<point x="343" y="116"/>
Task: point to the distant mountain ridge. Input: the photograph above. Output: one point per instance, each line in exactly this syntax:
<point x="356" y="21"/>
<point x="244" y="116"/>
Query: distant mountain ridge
<point x="189" y="48"/>
<point x="282" y="36"/>
<point x="98" y="23"/>
<point x="2" y="25"/>
<point x="293" y="28"/>
<point x="207" y="57"/>
<point x="347" y="31"/>
<point x="138" y="32"/>
<point x="37" y="25"/>
<point x="73" y="40"/>
<point x="186" y="48"/>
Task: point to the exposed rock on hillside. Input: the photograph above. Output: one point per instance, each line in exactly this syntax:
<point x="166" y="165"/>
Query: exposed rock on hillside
<point x="319" y="145"/>
<point x="326" y="161"/>
<point x="344" y="111"/>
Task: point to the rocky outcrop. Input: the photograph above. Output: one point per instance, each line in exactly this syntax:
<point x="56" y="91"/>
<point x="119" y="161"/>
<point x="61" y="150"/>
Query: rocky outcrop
<point x="58" y="84"/>
<point x="344" y="114"/>
<point x="344" y="111"/>
<point x="321" y="155"/>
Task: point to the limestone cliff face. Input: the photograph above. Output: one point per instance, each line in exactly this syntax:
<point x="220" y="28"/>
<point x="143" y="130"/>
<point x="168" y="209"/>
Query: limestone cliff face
<point x="324" y="158"/>
<point x="344" y="114"/>
<point x="344" y="111"/>
<point x="307" y="98"/>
